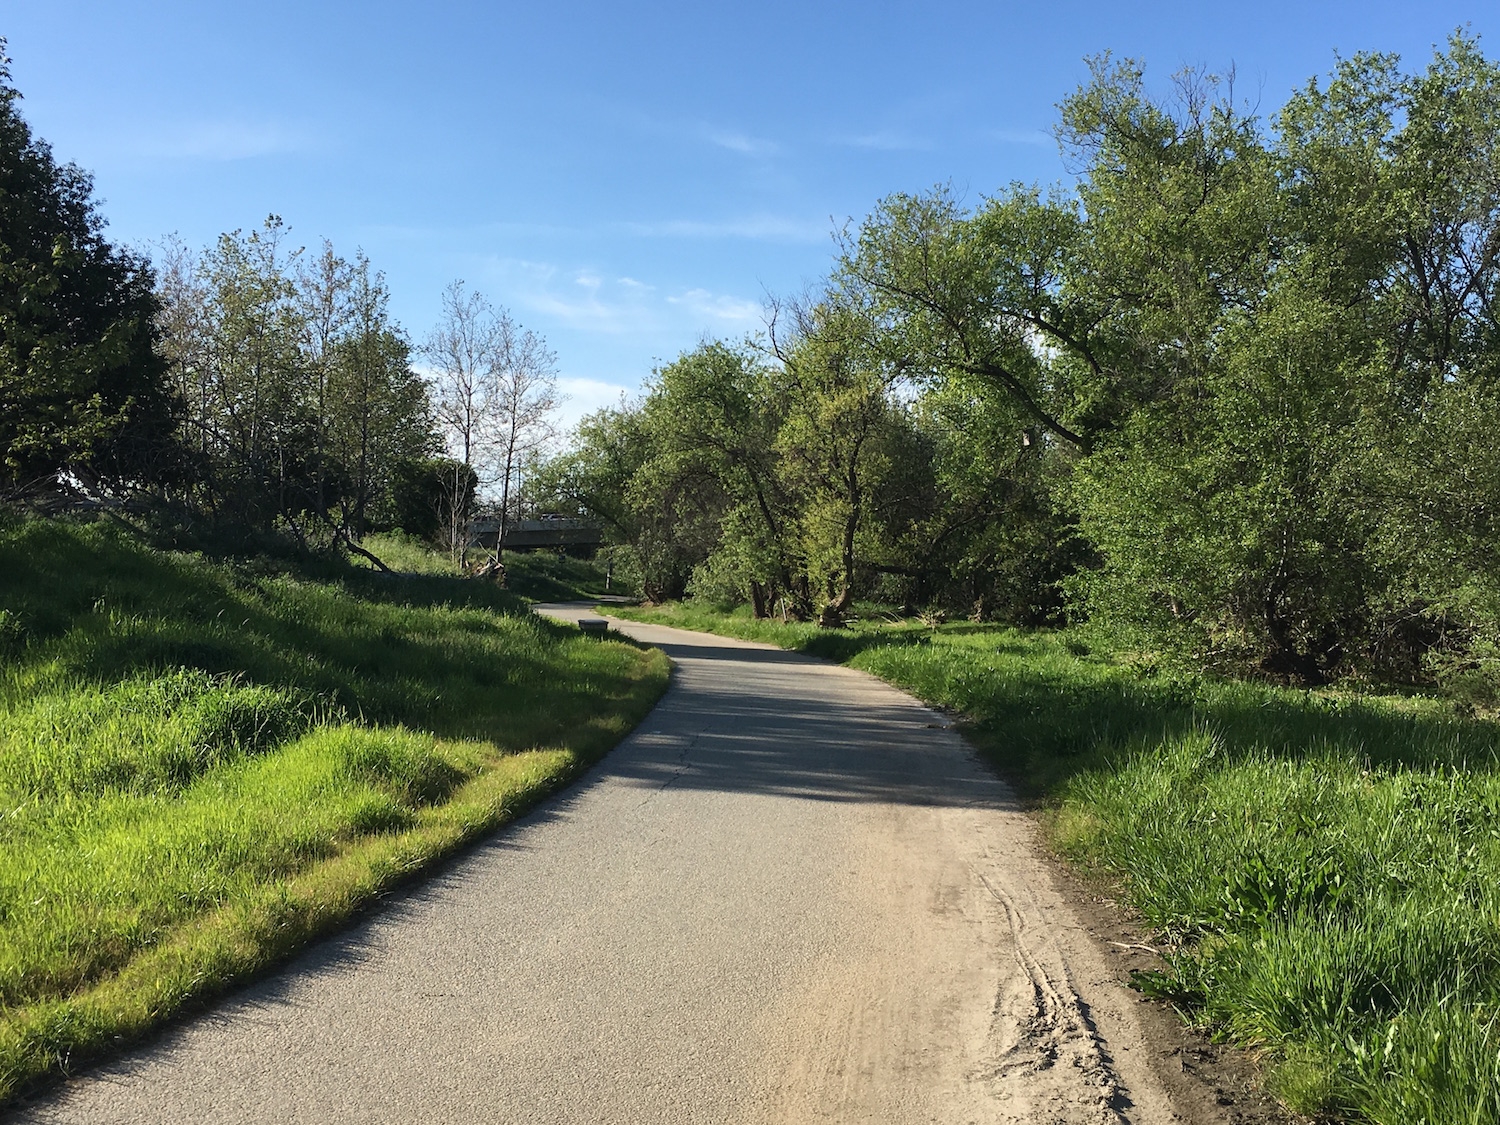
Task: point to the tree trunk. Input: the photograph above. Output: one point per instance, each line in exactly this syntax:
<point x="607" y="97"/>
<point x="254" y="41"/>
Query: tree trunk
<point x="759" y="601"/>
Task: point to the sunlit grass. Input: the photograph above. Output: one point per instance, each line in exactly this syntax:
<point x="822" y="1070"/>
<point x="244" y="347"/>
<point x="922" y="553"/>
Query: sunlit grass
<point x="541" y="575"/>
<point x="1321" y="869"/>
<point x="202" y="766"/>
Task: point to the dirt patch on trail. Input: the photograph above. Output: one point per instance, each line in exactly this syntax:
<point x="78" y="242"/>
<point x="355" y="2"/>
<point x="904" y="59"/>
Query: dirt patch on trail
<point x="1209" y="1083"/>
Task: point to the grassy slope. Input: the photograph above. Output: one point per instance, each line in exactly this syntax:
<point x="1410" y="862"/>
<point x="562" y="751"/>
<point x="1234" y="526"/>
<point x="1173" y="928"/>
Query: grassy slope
<point x="1322" y="869"/>
<point x="202" y="767"/>
<point x="540" y="575"/>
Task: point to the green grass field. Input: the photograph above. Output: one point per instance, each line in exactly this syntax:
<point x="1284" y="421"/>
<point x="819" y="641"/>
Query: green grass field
<point x="1320" y="869"/>
<point x="203" y="766"/>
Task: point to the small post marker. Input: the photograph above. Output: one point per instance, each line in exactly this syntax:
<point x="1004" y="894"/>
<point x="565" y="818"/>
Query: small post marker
<point x="593" y="626"/>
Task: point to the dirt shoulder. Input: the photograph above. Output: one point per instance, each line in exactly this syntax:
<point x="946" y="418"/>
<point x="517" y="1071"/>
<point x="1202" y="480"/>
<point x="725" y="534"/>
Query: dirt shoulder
<point x="1209" y="1083"/>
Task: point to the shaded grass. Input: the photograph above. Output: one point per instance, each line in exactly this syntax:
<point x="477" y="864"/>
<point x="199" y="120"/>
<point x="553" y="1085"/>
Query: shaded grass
<point x="1320" y="869"/>
<point x="203" y="765"/>
<point x="552" y="577"/>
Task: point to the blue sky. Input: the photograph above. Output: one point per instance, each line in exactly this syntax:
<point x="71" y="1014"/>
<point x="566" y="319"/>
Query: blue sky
<point x="625" y="178"/>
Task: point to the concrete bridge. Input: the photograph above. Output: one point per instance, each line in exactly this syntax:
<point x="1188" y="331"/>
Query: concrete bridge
<point x="572" y="535"/>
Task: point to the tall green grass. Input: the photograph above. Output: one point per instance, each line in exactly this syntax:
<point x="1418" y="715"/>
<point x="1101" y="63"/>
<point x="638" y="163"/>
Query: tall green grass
<point x="1320" y="869"/>
<point x="204" y="765"/>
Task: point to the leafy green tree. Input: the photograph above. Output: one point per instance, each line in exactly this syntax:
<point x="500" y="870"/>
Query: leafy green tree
<point x="1274" y="499"/>
<point x="420" y="492"/>
<point x="82" y="390"/>
<point x="838" y="431"/>
<point x="377" y="416"/>
<point x="1215" y="501"/>
<point x="1399" y="182"/>
<point x="302" y="405"/>
<point x="995" y="534"/>
<point x="257" y="423"/>
<point x="592" y="478"/>
<point x="1236" y="390"/>
<point x="713" y="421"/>
<point x="978" y="296"/>
<point x="664" y="526"/>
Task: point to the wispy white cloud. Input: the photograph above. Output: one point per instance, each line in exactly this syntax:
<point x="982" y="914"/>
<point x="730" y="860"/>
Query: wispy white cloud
<point x="218" y="140"/>
<point x="583" y="395"/>
<point x="579" y="298"/>
<point x="742" y="143"/>
<point x="718" y="307"/>
<point x="589" y="313"/>
<point x="582" y="299"/>
<point x="753" y="228"/>
<point x="698" y="131"/>
<point x="756" y="228"/>
<point x="888" y="140"/>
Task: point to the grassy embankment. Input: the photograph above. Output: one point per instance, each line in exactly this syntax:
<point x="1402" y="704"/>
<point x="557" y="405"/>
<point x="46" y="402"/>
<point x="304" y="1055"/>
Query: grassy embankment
<point x="539" y="575"/>
<point x="1321" y="869"/>
<point x="202" y="767"/>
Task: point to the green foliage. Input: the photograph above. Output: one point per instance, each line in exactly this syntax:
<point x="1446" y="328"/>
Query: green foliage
<point x="993" y="536"/>
<point x="302" y="406"/>
<point x="966" y="295"/>
<point x="419" y="495"/>
<point x="839" y="437"/>
<point x="799" y="484"/>
<point x="710" y="474"/>
<point x="81" y="387"/>
<point x="1251" y="363"/>
<point x="1230" y="396"/>
<point x="1302" y="491"/>
<point x="596" y="478"/>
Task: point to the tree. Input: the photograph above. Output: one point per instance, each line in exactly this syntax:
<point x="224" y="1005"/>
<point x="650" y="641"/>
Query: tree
<point x="836" y="390"/>
<point x="1397" y="179"/>
<point x="495" y="390"/>
<point x="378" y="417"/>
<point x="987" y="525"/>
<point x="1318" y="306"/>
<point x="713" y="421"/>
<point x="257" y="424"/>
<point x="321" y="292"/>
<point x="978" y="295"/>
<point x="525" y="401"/>
<point x="461" y="352"/>
<point x="82" y="390"/>
<point x="596" y="478"/>
<point x="1234" y="392"/>
<point x="302" y="407"/>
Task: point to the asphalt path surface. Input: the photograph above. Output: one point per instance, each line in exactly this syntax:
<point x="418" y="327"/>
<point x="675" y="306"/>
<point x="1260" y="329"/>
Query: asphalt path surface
<point x="792" y="895"/>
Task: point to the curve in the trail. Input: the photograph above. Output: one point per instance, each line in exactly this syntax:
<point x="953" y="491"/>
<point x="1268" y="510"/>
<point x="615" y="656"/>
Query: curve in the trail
<point x="792" y="895"/>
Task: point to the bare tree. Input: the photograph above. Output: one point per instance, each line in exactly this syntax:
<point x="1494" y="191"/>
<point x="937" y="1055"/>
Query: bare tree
<point x="526" y="400"/>
<point x="461" y="351"/>
<point x="495" y="391"/>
